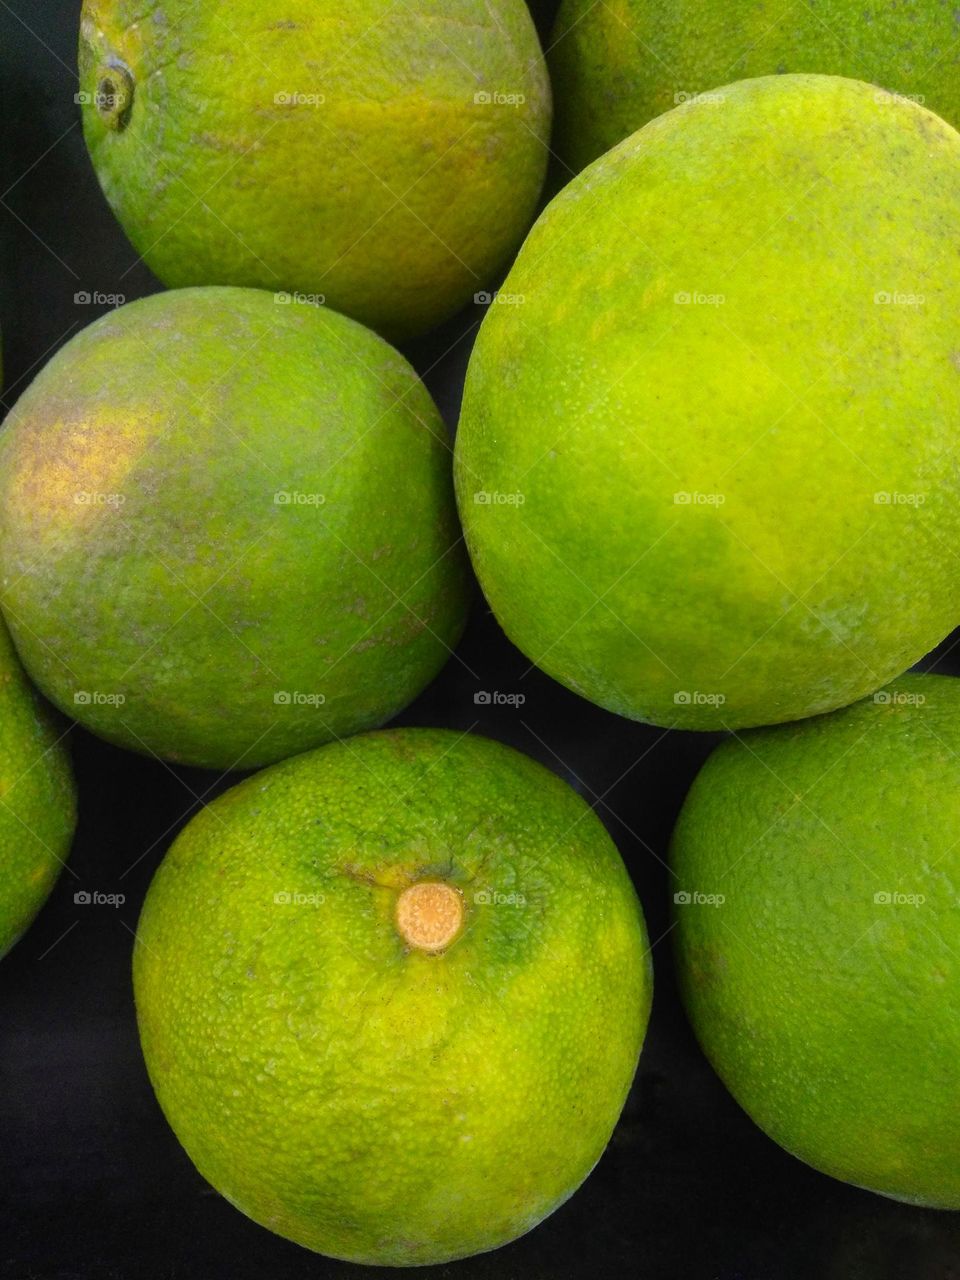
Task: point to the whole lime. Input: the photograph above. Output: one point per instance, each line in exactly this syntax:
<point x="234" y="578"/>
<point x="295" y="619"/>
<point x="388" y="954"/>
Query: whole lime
<point x="388" y="157"/>
<point x="227" y="528"/>
<point x="707" y="458"/>
<point x="38" y="807"/>
<point x="392" y="993"/>
<point x="616" y="66"/>
<point x="818" y="935"/>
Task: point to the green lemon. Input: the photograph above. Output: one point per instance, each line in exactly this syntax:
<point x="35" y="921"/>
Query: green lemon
<point x="227" y="528"/>
<point x="618" y="64"/>
<point x="392" y="993"/>
<point x="386" y="156"/>
<point x="818" y="935"/>
<point x="707" y="458"/>
<point x="38" y="807"/>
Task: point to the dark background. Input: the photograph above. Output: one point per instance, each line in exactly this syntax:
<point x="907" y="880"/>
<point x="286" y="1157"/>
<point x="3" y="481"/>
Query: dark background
<point x="92" y="1182"/>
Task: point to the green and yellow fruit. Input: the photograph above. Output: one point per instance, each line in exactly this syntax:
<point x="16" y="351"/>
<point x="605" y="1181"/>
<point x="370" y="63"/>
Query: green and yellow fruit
<point x="392" y="993"/>
<point x="818" y="935"/>
<point x="38" y="807"/>
<point x="618" y="64"/>
<point x="707" y="458"/>
<point x="386" y="157"/>
<point x="227" y="529"/>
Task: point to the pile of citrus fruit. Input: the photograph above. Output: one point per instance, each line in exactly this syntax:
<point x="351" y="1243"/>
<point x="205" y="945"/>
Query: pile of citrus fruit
<point x="392" y="989"/>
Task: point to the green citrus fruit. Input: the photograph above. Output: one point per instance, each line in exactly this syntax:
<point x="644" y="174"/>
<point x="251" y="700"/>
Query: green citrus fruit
<point x="391" y="995"/>
<point x="388" y="157"/>
<point x="706" y="461"/>
<point x="37" y="799"/>
<point x="617" y="65"/>
<point x="818" y="935"/>
<point x="227" y="528"/>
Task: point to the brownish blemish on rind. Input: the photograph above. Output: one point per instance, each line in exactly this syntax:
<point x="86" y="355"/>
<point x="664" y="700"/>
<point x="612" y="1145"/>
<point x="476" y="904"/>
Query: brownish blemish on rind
<point x="69" y="468"/>
<point x="429" y="915"/>
<point x="114" y="94"/>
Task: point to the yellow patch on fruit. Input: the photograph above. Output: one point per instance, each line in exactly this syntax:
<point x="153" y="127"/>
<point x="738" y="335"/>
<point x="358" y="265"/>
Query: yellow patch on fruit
<point x="74" y="471"/>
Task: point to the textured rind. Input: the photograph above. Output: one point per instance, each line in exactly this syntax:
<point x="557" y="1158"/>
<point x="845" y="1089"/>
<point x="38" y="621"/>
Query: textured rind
<point x="773" y="338"/>
<point x="370" y="1102"/>
<point x="397" y="196"/>
<point x="834" y="1017"/>
<point x="617" y="65"/>
<point x="37" y="799"/>
<point x="158" y="586"/>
